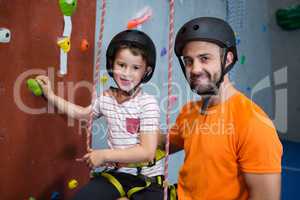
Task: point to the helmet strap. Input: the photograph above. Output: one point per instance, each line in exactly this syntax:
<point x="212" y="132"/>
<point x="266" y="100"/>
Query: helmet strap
<point x="224" y="71"/>
<point x="204" y="105"/>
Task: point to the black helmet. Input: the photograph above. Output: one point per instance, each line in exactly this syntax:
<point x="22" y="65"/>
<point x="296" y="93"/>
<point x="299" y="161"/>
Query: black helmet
<point x="132" y="38"/>
<point x="208" y="29"/>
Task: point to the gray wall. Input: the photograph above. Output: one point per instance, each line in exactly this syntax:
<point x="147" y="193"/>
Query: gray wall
<point x="285" y="54"/>
<point x="248" y="19"/>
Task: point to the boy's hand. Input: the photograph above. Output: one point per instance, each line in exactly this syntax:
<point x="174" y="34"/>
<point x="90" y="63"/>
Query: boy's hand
<point x="45" y="85"/>
<point x="94" y="158"/>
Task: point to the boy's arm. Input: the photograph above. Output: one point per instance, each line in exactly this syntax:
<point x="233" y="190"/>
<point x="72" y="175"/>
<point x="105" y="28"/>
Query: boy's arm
<point x="72" y="110"/>
<point x="143" y="152"/>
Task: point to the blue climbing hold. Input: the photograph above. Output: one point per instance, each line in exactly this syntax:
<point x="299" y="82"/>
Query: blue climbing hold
<point x="264" y="28"/>
<point x="163" y="52"/>
<point x="55" y="196"/>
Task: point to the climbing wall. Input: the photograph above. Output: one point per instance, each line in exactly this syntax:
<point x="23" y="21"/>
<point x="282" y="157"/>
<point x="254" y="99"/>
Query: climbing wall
<point x="38" y="146"/>
<point x="285" y="47"/>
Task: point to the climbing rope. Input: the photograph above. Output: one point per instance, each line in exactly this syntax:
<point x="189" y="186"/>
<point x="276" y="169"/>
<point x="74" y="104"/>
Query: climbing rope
<point x="96" y="74"/>
<point x="170" y="61"/>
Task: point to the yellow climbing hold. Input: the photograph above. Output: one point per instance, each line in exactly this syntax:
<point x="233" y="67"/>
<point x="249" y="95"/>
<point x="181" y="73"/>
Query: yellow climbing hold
<point x="65" y="44"/>
<point x="72" y="184"/>
<point x="103" y="79"/>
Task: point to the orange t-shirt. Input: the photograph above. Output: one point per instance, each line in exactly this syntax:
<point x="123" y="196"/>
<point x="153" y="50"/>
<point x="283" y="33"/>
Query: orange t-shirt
<point x="233" y="137"/>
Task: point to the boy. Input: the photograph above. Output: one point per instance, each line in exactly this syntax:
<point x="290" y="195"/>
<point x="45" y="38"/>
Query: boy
<point x="133" y="123"/>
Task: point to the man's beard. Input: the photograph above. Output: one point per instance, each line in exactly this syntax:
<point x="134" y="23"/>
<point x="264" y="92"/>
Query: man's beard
<point x="210" y="88"/>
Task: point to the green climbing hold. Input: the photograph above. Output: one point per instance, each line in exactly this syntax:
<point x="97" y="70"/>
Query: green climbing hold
<point x="288" y="18"/>
<point x="243" y="59"/>
<point x="34" y="87"/>
<point x="68" y="7"/>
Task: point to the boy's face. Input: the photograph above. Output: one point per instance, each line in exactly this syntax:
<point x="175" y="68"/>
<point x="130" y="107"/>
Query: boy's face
<point x="202" y="65"/>
<point x="128" y="69"/>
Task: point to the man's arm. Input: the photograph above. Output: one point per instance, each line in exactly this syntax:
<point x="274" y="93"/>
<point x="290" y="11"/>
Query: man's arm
<point x="162" y="144"/>
<point x="263" y="186"/>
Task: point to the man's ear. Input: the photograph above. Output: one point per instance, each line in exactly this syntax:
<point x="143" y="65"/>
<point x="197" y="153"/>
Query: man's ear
<point x="229" y="58"/>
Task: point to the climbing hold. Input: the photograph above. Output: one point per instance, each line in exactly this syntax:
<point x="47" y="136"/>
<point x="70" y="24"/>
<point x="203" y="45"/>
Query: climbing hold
<point x="68" y="7"/>
<point x="143" y="16"/>
<point x="172" y="100"/>
<point x="64" y="43"/>
<point x="103" y="79"/>
<point x="54" y="196"/>
<point x="34" y="87"/>
<point x="243" y="59"/>
<point x="288" y="18"/>
<point x="31" y="198"/>
<point x="84" y="45"/>
<point x="264" y="28"/>
<point x="238" y="41"/>
<point x="4" y="35"/>
<point x="72" y="184"/>
<point x="163" y="52"/>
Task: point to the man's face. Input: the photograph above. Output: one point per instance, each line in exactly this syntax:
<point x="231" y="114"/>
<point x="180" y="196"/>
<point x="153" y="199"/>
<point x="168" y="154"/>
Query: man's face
<point x="202" y="65"/>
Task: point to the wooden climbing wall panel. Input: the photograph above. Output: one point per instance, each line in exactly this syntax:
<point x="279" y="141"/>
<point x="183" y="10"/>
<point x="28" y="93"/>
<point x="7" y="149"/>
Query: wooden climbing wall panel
<point x="38" y="147"/>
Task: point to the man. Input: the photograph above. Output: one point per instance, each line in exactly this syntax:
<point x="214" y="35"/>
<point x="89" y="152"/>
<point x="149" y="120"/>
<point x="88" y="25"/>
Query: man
<point x="232" y="150"/>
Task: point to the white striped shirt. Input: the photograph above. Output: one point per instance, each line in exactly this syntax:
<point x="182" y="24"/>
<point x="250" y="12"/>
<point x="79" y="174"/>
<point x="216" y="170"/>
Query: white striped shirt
<point x="126" y="120"/>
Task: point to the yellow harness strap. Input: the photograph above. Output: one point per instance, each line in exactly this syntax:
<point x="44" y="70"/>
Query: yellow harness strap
<point x="115" y="182"/>
<point x="119" y="187"/>
<point x="159" y="180"/>
<point x="158" y="156"/>
<point x="137" y="189"/>
<point x="172" y="192"/>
